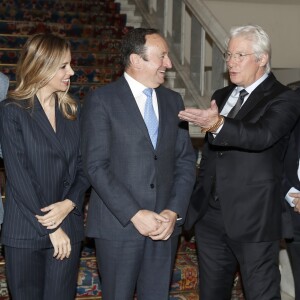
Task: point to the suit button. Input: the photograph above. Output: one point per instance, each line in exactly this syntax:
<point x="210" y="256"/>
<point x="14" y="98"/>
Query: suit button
<point x="152" y="186"/>
<point x="220" y="154"/>
<point x="66" y="183"/>
<point x="155" y="157"/>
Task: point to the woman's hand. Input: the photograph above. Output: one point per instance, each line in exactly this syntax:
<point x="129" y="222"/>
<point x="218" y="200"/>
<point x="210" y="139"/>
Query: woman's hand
<point x="56" y="213"/>
<point x="61" y="244"/>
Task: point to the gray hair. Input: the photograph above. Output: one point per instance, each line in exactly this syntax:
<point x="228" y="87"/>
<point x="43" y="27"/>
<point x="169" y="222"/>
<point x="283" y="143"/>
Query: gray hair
<point x="259" y="38"/>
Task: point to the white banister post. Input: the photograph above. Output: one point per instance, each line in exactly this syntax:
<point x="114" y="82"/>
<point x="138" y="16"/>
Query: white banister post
<point x="152" y="6"/>
<point x="182" y="39"/>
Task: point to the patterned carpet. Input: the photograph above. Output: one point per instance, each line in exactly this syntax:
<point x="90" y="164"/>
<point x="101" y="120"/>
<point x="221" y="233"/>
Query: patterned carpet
<point x="183" y="287"/>
<point x="184" y="282"/>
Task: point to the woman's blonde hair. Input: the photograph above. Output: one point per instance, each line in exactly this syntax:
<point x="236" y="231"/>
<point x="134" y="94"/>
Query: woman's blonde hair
<point x="40" y="59"/>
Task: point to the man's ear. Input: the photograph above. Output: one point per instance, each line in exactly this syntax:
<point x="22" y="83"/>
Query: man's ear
<point x="263" y="59"/>
<point x="135" y="60"/>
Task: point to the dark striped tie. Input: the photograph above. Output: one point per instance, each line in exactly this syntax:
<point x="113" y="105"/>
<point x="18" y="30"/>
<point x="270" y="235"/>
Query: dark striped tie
<point x="238" y="104"/>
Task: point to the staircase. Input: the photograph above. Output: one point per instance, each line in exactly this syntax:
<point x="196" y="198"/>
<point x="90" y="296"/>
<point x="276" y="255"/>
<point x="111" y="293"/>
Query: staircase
<point x="94" y="29"/>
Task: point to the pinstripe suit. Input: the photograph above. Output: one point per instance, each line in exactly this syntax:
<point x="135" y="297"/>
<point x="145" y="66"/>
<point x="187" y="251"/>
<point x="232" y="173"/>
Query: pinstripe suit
<point x="42" y="167"/>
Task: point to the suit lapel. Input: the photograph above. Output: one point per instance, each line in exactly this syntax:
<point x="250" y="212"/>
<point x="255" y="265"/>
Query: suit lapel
<point x="41" y="119"/>
<point x="223" y="101"/>
<point x="60" y="125"/>
<point x="162" y="110"/>
<point x="222" y="98"/>
<point x="263" y="92"/>
<point x="251" y="102"/>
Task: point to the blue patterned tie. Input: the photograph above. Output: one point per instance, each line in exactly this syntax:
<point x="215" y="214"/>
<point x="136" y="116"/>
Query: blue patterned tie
<point x="150" y="117"/>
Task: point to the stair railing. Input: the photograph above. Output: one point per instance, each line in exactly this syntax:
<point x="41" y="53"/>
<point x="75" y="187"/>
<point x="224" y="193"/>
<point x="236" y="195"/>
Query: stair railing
<point x="196" y="40"/>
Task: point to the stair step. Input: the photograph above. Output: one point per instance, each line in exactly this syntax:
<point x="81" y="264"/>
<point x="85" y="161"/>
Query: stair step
<point x="55" y="2"/>
<point x="79" y="91"/>
<point x="128" y="9"/>
<point x="134" y="22"/>
<point x="83" y="75"/>
<point x="15" y="42"/>
<point x="12" y="41"/>
<point x="110" y="56"/>
<point x="71" y="30"/>
<point x="96" y="59"/>
<point x="60" y="5"/>
<point x="101" y="75"/>
<point x="69" y="17"/>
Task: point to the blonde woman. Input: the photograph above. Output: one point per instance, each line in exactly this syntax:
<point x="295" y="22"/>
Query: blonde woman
<point x="43" y="224"/>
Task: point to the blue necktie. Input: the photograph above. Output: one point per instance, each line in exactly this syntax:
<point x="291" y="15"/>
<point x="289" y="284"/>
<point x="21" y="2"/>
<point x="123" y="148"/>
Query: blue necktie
<point x="150" y="117"/>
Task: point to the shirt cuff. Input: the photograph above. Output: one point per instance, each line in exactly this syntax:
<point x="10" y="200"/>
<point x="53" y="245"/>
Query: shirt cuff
<point x="217" y="131"/>
<point x="288" y="198"/>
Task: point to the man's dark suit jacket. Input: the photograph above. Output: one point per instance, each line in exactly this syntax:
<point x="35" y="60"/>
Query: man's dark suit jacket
<point x="127" y="174"/>
<point x="245" y="162"/>
<point x="291" y="165"/>
<point x="42" y="167"/>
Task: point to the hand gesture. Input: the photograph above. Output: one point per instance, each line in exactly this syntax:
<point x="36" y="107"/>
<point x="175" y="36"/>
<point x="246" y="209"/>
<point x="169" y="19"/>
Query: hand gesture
<point x="204" y="118"/>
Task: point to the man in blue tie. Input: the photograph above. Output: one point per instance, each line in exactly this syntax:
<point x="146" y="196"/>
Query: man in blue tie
<point x="4" y="83"/>
<point x="141" y="165"/>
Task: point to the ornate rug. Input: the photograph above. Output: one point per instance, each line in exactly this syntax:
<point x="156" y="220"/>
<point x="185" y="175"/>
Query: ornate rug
<point x="183" y="287"/>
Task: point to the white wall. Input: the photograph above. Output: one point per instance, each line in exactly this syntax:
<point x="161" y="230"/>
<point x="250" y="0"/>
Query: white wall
<point x="281" y="22"/>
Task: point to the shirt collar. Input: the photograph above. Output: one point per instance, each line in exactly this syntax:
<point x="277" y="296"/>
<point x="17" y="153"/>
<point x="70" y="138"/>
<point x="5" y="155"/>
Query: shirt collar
<point x="254" y="85"/>
<point x="136" y="87"/>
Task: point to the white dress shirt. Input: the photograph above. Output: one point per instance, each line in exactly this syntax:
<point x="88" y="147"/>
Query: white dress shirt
<point x="236" y="92"/>
<point x="137" y="90"/>
<point x="235" y="95"/>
